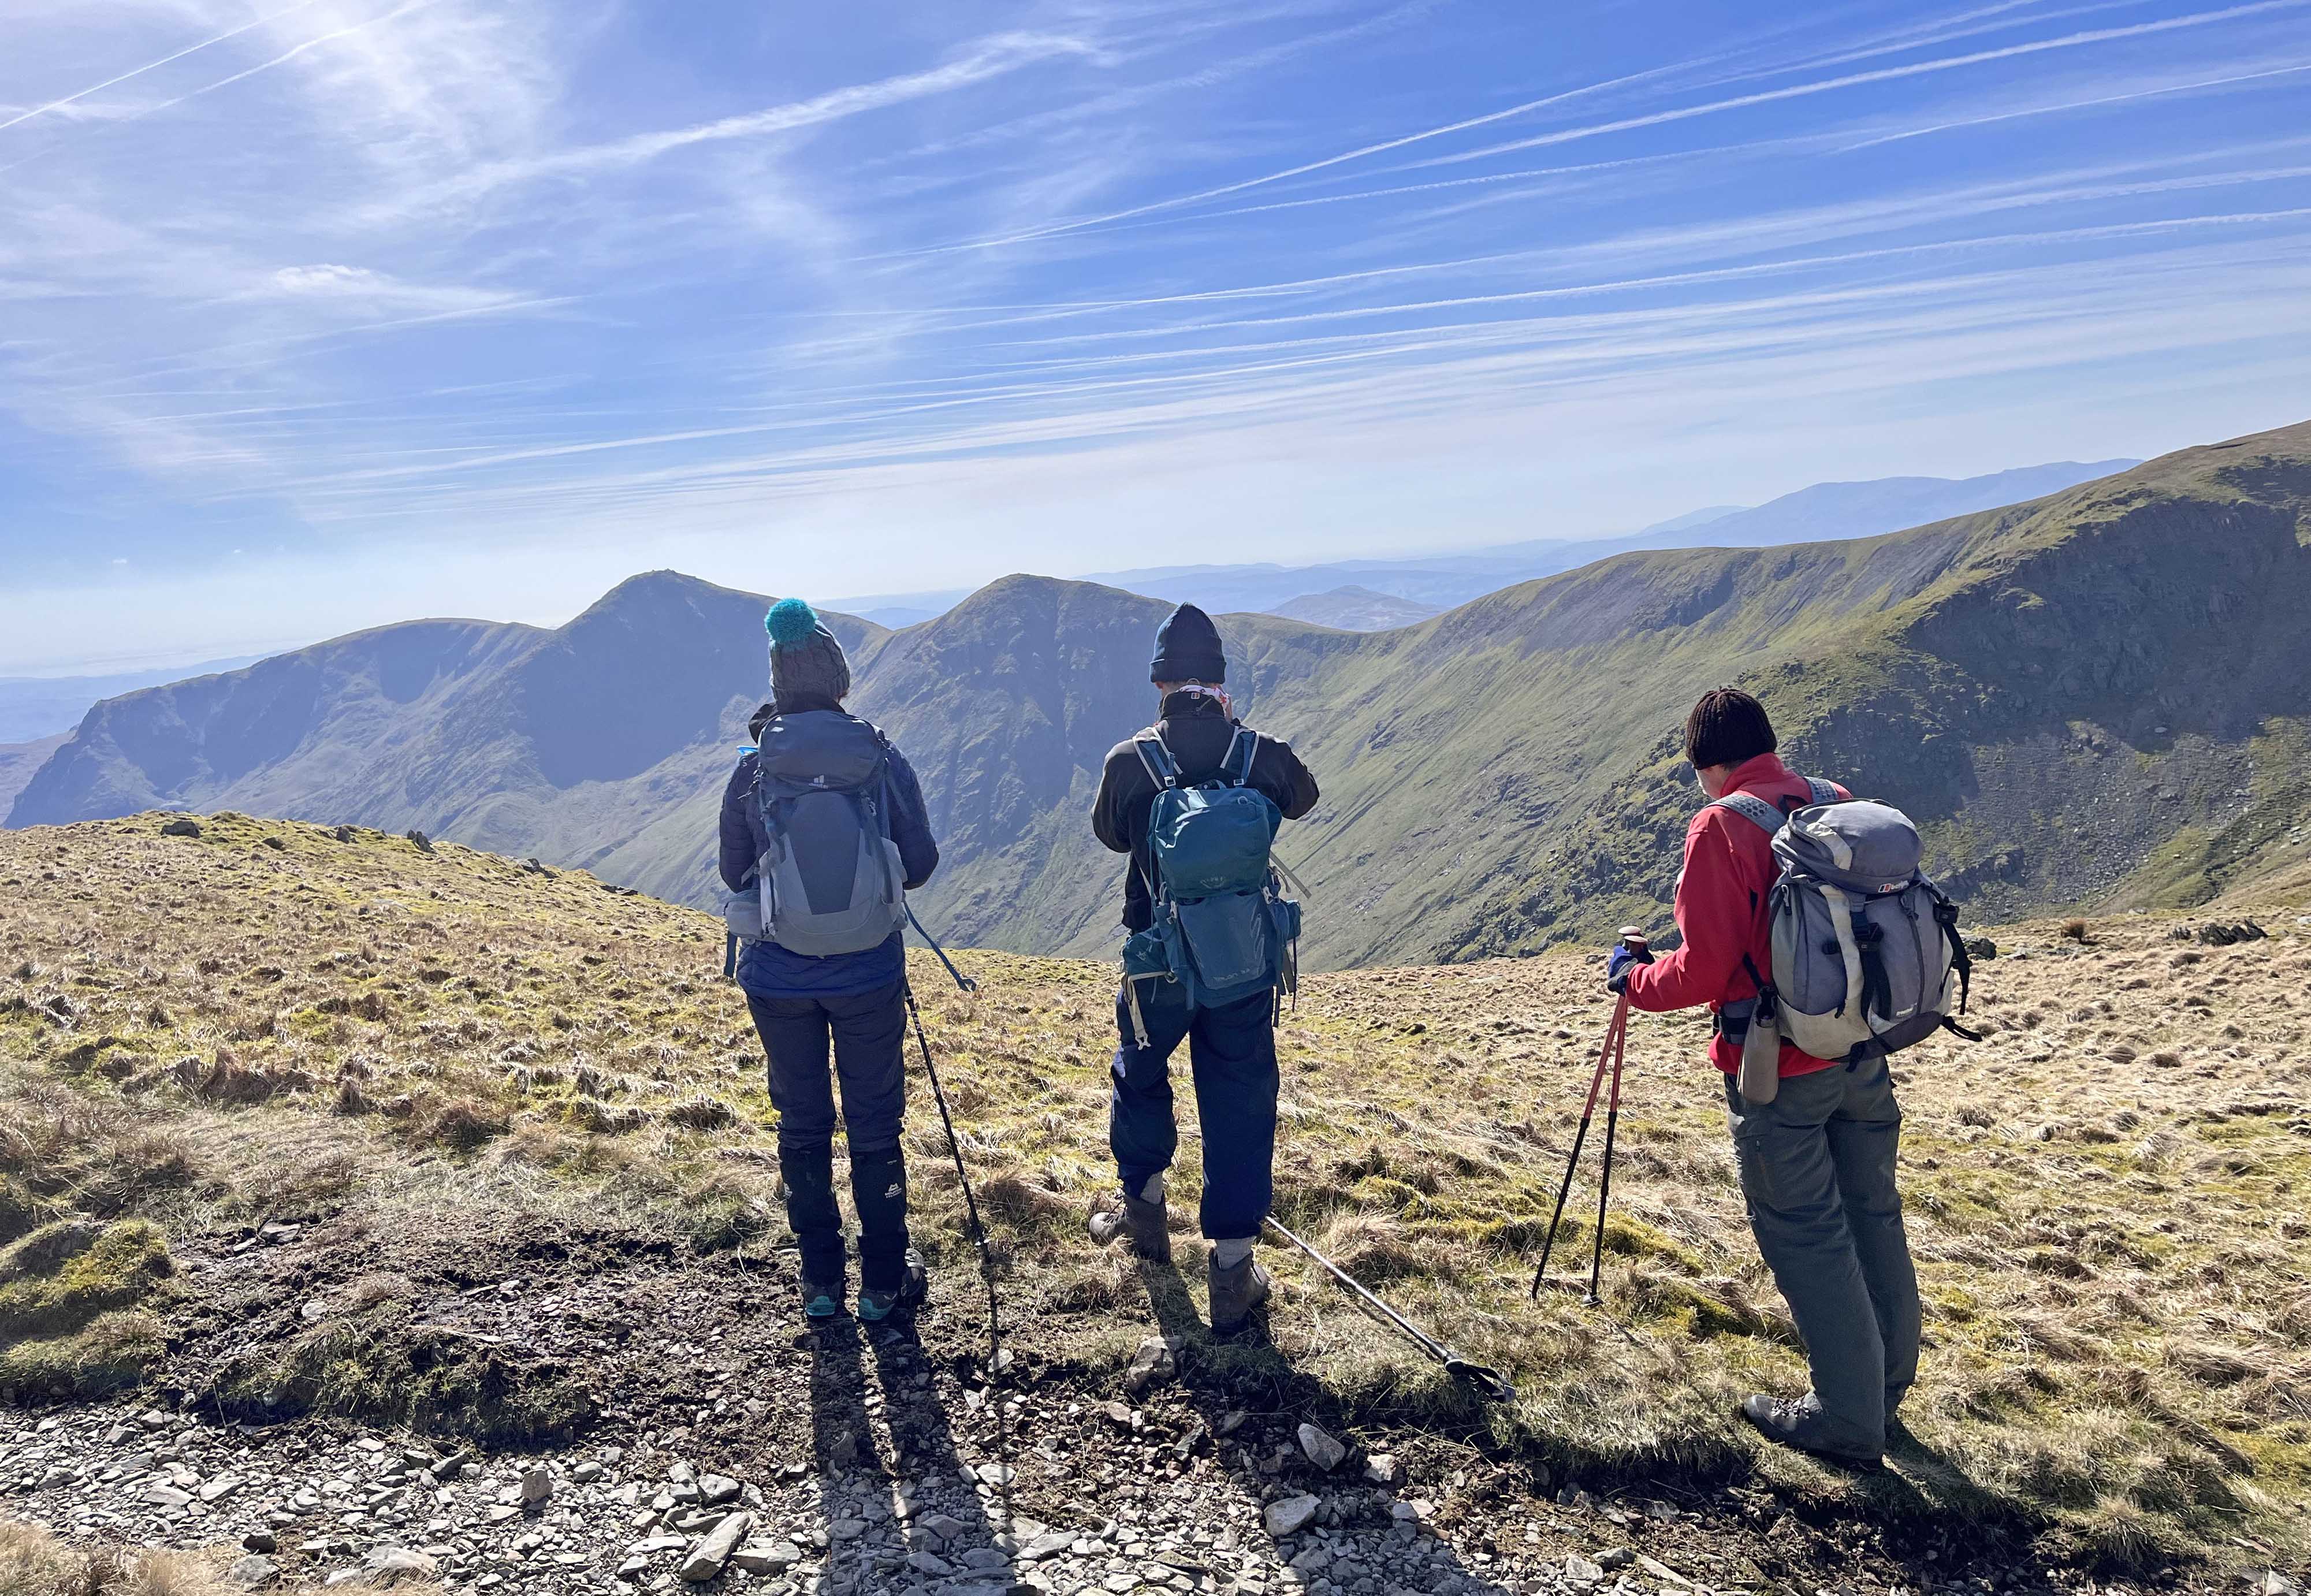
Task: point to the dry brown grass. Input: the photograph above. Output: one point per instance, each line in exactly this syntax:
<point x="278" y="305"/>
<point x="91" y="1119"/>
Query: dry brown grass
<point x="2110" y="1197"/>
<point x="35" y="1562"/>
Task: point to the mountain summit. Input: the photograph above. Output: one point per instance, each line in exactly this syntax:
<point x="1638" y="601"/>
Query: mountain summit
<point x="2095" y="697"/>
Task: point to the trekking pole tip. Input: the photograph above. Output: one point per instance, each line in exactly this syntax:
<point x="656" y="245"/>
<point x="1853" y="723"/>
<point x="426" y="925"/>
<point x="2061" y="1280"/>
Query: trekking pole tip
<point x="1486" y="1383"/>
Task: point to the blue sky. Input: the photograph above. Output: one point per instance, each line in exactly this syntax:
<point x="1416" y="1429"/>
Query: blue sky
<point x="317" y="314"/>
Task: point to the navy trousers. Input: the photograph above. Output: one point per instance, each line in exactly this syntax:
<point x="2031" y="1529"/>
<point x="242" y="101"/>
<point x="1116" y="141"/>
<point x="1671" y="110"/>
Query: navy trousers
<point x="866" y="1032"/>
<point x="1232" y="1056"/>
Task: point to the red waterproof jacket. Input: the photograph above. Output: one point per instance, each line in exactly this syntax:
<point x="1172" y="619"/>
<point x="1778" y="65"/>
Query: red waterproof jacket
<point x="1721" y="913"/>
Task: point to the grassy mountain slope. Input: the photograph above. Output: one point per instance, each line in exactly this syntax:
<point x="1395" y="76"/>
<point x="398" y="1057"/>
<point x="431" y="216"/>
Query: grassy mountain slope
<point x="2096" y="697"/>
<point x="2062" y="692"/>
<point x="517" y="1134"/>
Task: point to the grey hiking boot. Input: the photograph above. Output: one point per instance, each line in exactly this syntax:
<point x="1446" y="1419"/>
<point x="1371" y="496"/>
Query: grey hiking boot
<point x="1147" y="1224"/>
<point x="878" y="1306"/>
<point x="1803" y="1425"/>
<point x="822" y="1299"/>
<point x="1236" y="1292"/>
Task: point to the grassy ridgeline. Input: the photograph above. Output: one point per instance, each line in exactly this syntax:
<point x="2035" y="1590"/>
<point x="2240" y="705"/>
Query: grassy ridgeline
<point x="267" y="1023"/>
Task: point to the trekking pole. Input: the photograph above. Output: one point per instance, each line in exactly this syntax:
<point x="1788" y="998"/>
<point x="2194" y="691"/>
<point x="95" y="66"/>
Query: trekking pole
<point x="970" y="1201"/>
<point x="1613" y="1049"/>
<point x="961" y="982"/>
<point x="1605" y="1179"/>
<point x="1488" y="1382"/>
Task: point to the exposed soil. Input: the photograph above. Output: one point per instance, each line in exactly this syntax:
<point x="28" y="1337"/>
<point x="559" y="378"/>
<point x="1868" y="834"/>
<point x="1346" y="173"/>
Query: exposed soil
<point x="654" y="1368"/>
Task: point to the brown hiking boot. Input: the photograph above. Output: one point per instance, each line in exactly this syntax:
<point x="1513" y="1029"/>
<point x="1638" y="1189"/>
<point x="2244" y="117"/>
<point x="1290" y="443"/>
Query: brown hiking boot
<point x="1147" y="1224"/>
<point x="1236" y="1292"/>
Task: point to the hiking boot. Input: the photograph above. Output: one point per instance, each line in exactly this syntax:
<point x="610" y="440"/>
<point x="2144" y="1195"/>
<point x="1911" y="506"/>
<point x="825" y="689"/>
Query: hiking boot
<point x="878" y="1306"/>
<point x="822" y="1299"/>
<point x="1147" y="1223"/>
<point x="1801" y="1424"/>
<point x="1236" y="1292"/>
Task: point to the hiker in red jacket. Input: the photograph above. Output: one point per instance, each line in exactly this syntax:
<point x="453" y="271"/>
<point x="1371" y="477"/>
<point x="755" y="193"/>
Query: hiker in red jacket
<point x="1817" y="1161"/>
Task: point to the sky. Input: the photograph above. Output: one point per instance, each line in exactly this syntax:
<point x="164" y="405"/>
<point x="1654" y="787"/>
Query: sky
<point x="322" y="314"/>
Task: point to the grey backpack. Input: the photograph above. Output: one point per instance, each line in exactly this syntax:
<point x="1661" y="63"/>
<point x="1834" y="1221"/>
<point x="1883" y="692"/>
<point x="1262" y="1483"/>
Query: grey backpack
<point x="1867" y="955"/>
<point x="832" y="882"/>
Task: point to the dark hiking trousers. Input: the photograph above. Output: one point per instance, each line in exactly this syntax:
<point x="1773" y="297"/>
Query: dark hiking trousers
<point x="1232" y="1055"/>
<point x="868" y="1032"/>
<point x="1817" y="1169"/>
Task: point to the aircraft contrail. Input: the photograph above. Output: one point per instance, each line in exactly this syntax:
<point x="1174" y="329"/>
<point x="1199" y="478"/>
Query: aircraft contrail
<point x="149" y="65"/>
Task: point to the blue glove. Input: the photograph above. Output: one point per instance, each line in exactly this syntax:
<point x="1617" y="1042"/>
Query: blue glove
<point x="1617" y="968"/>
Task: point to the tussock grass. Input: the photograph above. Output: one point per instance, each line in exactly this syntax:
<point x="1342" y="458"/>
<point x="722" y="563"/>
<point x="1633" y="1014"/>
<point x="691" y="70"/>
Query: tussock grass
<point x="2109" y="1198"/>
<point x="35" y="1562"/>
<point x="73" y="1315"/>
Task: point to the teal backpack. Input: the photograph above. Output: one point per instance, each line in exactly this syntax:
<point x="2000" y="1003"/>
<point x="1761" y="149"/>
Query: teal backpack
<point x="1223" y="927"/>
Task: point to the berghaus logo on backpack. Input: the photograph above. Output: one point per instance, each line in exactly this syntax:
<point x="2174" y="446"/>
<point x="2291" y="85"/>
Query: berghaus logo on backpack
<point x="1866" y="952"/>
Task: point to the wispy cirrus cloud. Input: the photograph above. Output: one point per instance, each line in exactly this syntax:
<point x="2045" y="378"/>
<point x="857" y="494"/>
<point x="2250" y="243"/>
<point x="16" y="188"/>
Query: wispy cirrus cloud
<point x="347" y="281"/>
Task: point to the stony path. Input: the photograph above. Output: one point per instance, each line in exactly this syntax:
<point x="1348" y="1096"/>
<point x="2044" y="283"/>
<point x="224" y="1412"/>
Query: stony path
<point x="1097" y="1496"/>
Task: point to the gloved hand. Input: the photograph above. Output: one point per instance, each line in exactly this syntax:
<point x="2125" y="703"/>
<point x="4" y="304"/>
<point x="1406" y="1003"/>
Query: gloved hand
<point x="1617" y="968"/>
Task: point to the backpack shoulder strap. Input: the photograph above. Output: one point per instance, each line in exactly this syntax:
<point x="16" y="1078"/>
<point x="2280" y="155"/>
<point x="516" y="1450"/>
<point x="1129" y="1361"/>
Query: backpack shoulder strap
<point x="1823" y="792"/>
<point x="1242" y="749"/>
<point x="1161" y="766"/>
<point x="1752" y="808"/>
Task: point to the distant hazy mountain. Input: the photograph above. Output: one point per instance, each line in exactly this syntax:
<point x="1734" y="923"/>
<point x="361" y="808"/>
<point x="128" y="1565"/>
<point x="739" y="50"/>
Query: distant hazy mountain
<point x="18" y="760"/>
<point x="1834" y="510"/>
<point x="2098" y="697"/>
<point x="35" y="707"/>
<point x="1356" y="609"/>
<point x="1864" y="509"/>
<point x="896" y="616"/>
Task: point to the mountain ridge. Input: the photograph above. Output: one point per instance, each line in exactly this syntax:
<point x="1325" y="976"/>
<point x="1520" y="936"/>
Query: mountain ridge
<point x="1821" y="510"/>
<point x="1498" y="779"/>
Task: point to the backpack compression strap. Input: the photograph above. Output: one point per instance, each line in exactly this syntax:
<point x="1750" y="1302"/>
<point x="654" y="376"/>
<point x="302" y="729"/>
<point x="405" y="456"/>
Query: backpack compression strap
<point x="1961" y="961"/>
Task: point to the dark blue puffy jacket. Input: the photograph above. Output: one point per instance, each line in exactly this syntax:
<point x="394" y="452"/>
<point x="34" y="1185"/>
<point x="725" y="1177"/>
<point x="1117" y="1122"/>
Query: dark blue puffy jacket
<point x="770" y="970"/>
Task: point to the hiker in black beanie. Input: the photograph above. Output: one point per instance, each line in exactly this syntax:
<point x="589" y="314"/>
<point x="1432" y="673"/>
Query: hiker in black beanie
<point x="1230" y="1045"/>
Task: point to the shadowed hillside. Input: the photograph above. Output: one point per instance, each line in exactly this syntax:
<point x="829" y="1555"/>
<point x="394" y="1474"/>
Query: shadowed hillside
<point x="2094" y="698"/>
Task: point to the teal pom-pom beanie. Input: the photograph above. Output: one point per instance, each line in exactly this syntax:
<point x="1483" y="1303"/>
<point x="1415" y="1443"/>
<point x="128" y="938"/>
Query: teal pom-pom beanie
<point x="806" y="660"/>
<point x="790" y="621"/>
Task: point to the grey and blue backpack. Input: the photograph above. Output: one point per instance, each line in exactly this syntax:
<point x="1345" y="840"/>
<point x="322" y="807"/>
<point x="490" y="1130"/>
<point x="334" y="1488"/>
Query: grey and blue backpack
<point x="1867" y="955"/>
<point x="832" y="882"/>
<point x="1224" y="931"/>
